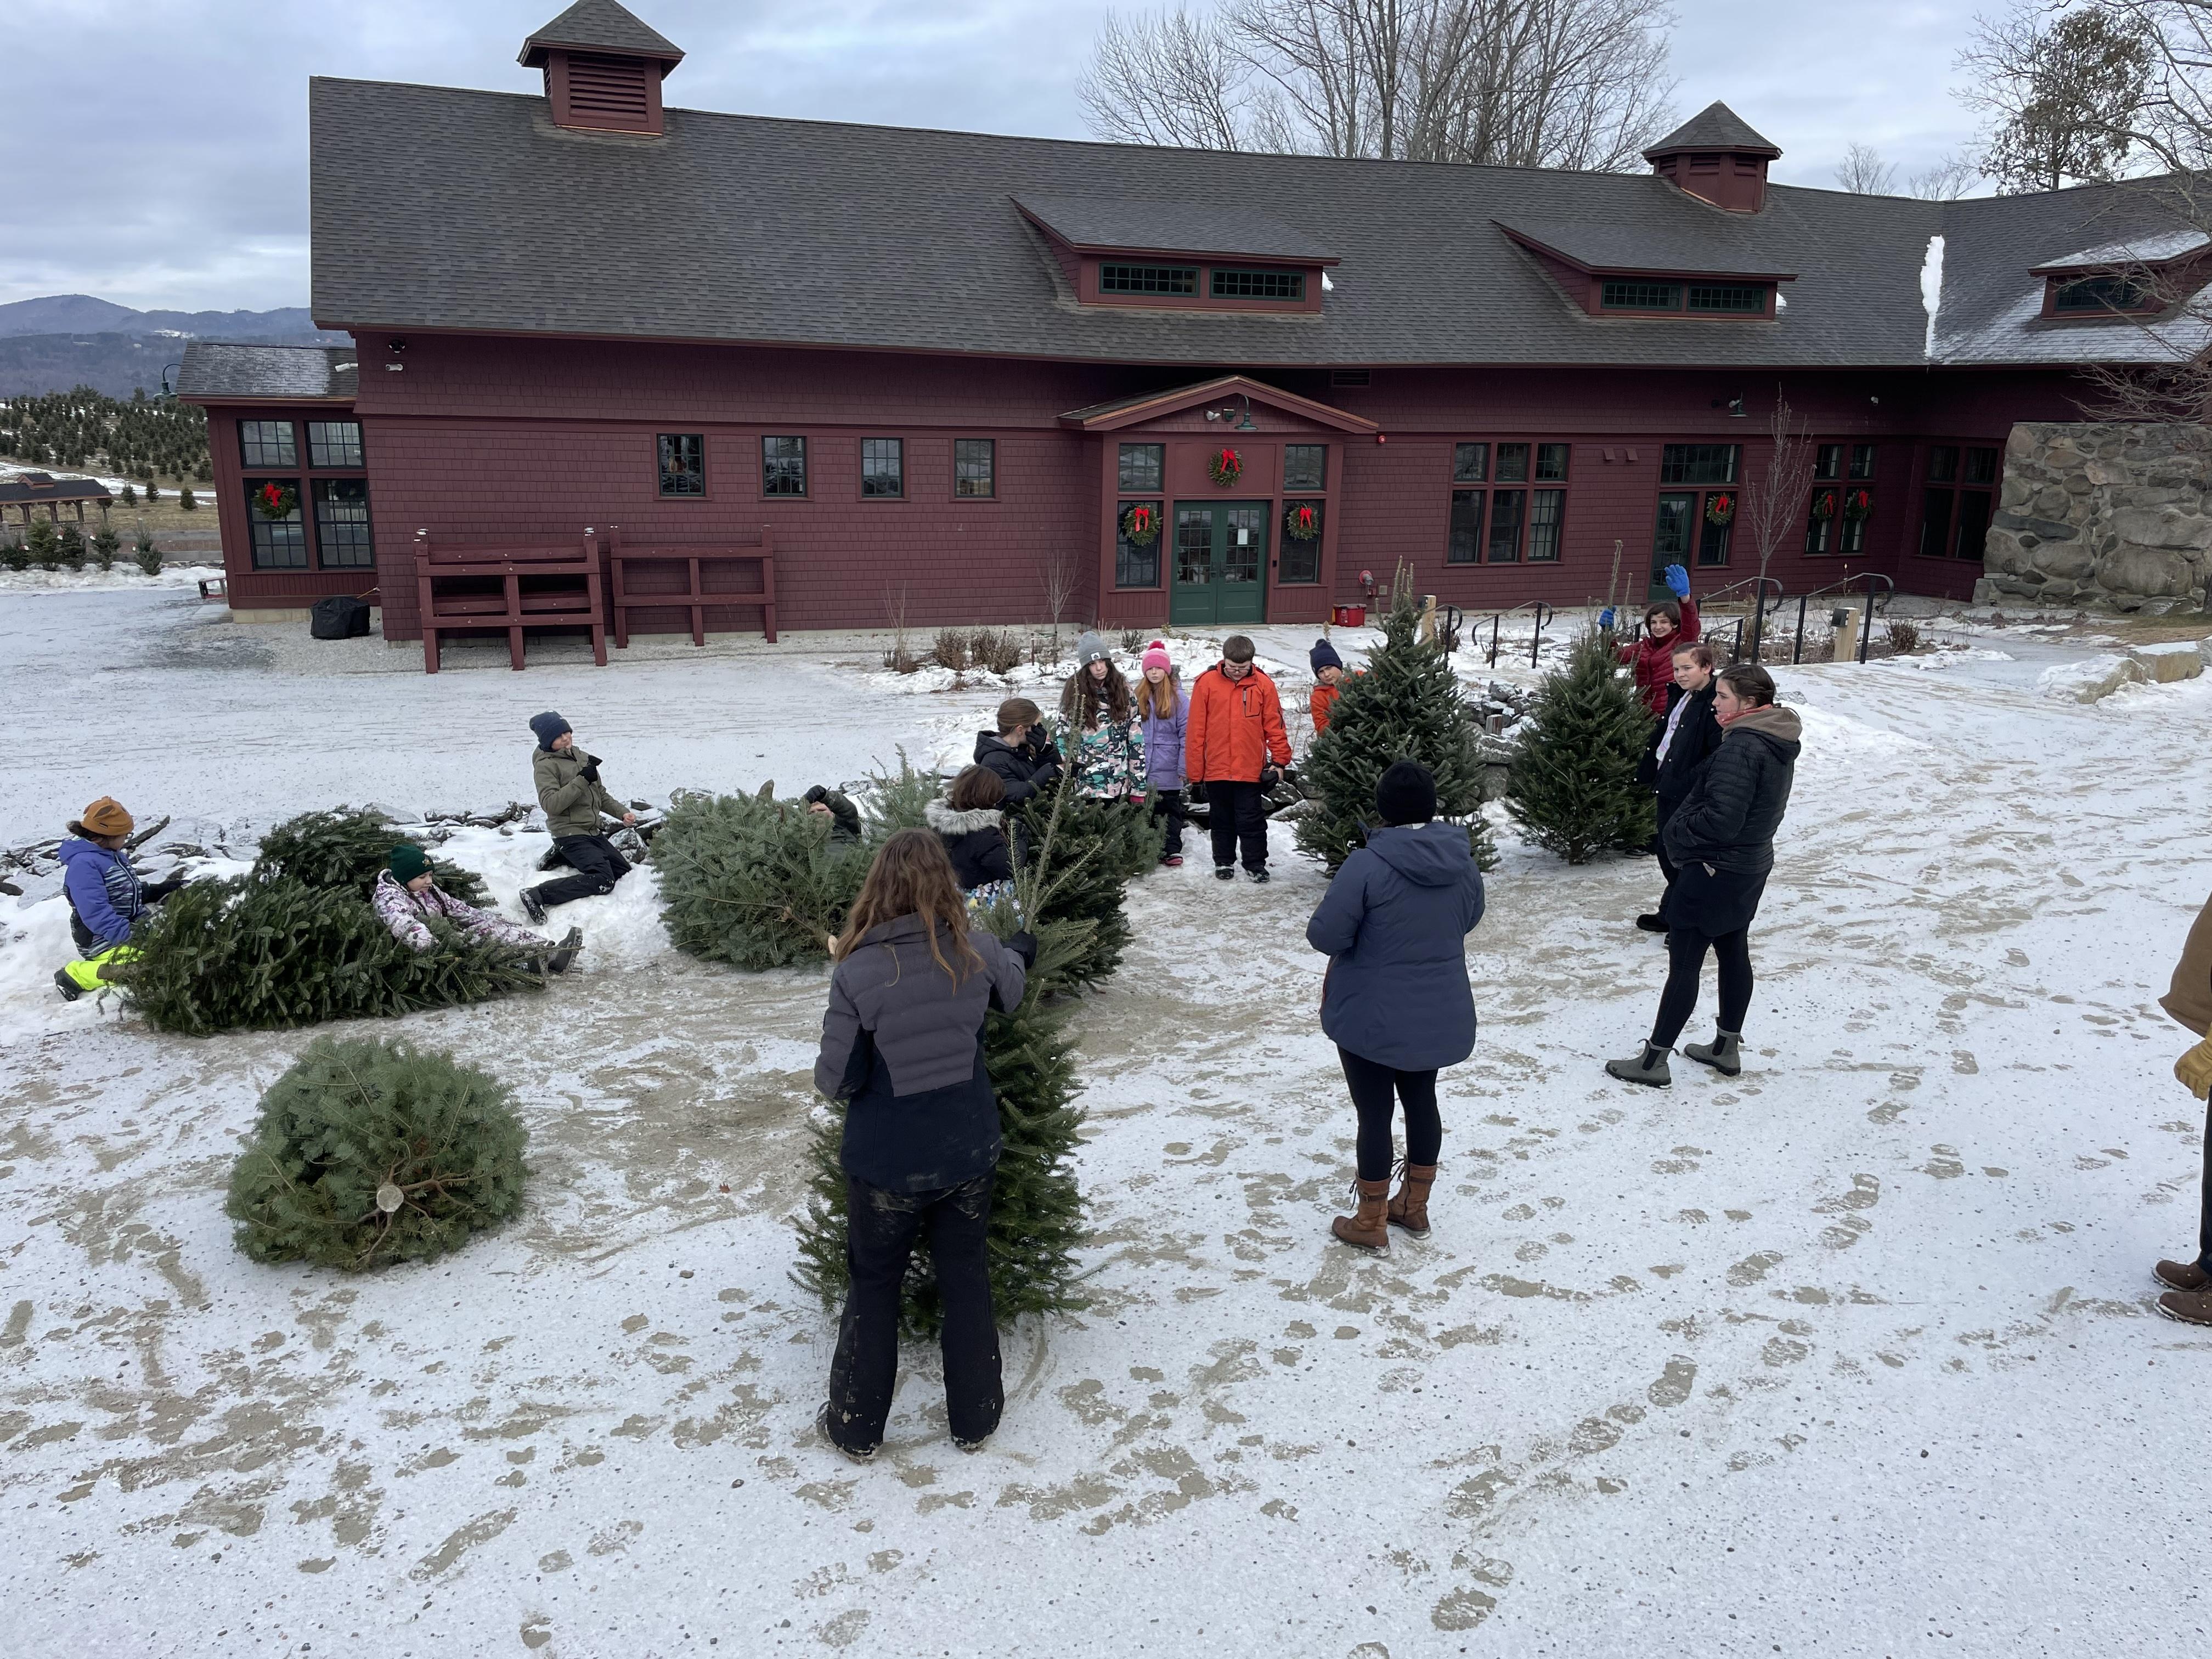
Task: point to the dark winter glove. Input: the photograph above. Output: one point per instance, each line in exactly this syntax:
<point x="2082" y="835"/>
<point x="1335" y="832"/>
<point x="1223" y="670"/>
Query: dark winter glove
<point x="1677" y="582"/>
<point x="1270" y="776"/>
<point x="592" y="770"/>
<point x="1023" y="945"/>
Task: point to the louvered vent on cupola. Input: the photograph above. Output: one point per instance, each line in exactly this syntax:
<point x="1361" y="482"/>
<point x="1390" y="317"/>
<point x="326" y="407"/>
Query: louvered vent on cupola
<point x="603" y="68"/>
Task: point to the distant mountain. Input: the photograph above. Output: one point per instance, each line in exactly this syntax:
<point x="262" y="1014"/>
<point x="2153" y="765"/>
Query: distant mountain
<point x="81" y="314"/>
<point x="117" y="364"/>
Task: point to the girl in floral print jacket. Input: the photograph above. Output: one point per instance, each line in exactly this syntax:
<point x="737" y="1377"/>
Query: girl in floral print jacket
<point x="408" y="900"/>
<point x="1105" y="739"/>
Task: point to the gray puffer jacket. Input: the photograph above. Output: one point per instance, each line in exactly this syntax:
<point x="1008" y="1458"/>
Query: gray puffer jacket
<point x="903" y="1045"/>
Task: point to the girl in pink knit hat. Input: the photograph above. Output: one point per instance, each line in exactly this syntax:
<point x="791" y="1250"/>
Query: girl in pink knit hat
<point x="1162" y="708"/>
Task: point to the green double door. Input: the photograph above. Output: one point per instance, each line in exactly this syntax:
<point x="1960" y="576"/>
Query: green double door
<point x="1220" y="573"/>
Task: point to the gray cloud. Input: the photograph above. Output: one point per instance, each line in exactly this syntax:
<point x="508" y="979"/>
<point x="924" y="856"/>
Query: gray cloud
<point x="166" y="139"/>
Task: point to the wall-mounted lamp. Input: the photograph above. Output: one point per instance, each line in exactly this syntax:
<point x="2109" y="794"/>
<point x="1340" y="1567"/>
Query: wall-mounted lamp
<point x="1735" y="408"/>
<point x="395" y="344"/>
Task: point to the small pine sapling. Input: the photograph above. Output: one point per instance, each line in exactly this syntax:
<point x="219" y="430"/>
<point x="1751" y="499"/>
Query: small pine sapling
<point x="71" y="551"/>
<point x="1573" y="787"/>
<point x="45" y="544"/>
<point x="188" y="502"/>
<point x="130" y="496"/>
<point x="13" y="556"/>
<point x="106" y="544"/>
<point x="145" y="555"/>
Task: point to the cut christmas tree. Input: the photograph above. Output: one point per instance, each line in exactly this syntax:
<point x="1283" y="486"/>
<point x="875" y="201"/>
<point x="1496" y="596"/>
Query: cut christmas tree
<point x="345" y="849"/>
<point x="1086" y="852"/>
<point x="1408" y="705"/>
<point x="369" y="1151"/>
<point x="1573" y="789"/>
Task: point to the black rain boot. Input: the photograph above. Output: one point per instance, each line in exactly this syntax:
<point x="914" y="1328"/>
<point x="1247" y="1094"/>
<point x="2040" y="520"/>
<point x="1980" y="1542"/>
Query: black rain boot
<point x="1652" y="922"/>
<point x="564" y="954"/>
<point x="1648" y="1068"/>
<point x="1724" y="1053"/>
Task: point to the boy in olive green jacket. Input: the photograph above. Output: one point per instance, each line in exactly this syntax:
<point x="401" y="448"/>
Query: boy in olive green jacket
<point x="569" y="790"/>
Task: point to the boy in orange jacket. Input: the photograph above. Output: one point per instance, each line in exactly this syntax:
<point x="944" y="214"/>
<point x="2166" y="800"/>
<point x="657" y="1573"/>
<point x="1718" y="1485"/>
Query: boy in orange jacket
<point x="1235" y="728"/>
<point x="1329" y="673"/>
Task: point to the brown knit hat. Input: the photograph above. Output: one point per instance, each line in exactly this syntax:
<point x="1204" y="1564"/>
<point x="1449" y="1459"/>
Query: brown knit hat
<point x="105" y="817"/>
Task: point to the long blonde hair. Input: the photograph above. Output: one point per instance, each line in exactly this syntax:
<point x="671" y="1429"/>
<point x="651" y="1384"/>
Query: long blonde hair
<point x="912" y="877"/>
<point x="1157" y="703"/>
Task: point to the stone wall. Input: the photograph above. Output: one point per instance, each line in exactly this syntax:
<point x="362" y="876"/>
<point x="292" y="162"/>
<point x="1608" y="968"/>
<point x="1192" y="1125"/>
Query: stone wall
<point x="2103" y="514"/>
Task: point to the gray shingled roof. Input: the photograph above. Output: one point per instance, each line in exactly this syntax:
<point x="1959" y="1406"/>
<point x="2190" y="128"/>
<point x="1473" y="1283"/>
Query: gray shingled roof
<point x="598" y="26"/>
<point x="1097" y="221"/>
<point x="1722" y="245"/>
<point x="211" y="369"/>
<point x="440" y="208"/>
<point x="1714" y="127"/>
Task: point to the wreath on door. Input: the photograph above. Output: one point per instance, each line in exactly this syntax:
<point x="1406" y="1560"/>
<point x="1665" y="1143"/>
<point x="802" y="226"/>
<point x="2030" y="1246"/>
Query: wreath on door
<point x="277" y="500"/>
<point x="1720" y="507"/>
<point x="1303" y="522"/>
<point x="1140" y="526"/>
<point x="1859" y="504"/>
<point x="1226" y="467"/>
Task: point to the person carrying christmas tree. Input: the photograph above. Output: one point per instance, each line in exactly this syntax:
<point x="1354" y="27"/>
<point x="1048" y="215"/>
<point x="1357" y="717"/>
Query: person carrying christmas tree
<point x="1234" y="728"/>
<point x="1106" y="743"/>
<point x="1328" y="676"/>
<point x="1025" y="759"/>
<point x="837" y="806"/>
<point x="1722" y="840"/>
<point x="902" y="1046"/>
<point x="1164" y="711"/>
<point x="1666" y="625"/>
<point x="107" y="899"/>
<point x="1396" y="1001"/>
<point x="972" y="823"/>
<point x="1678" y="751"/>
<point x="2188" y="1296"/>
<point x="421" y="913"/>
<point x="569" y="790"/>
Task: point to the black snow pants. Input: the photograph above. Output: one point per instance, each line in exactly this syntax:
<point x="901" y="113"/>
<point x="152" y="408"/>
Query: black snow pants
<point x="1236" y="815"/>
<point x="597" y="865"/>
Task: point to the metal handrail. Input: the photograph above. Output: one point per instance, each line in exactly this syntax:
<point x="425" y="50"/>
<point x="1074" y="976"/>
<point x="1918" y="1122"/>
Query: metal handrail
<point x="1866" y="630"/>
<point x="1544" y="614"/>
<point x="1759" y="585"/>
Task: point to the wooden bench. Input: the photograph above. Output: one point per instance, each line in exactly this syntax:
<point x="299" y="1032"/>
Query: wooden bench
<point x="556" y="586"/>
<point x="690" y="562"/>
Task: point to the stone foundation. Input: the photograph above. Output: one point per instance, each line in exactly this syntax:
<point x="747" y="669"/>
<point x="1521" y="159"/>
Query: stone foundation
<point x="2117" y="516"/>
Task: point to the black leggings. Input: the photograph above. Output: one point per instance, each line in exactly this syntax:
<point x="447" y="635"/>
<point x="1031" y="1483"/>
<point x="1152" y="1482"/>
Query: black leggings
<point x="1685" y="961"/>
<point x="1372" y="1087"/>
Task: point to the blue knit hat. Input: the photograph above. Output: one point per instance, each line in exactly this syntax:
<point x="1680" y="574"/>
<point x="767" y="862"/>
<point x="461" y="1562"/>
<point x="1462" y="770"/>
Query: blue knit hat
<point x="1323" y="655"/>
<point x="547" y="725"/>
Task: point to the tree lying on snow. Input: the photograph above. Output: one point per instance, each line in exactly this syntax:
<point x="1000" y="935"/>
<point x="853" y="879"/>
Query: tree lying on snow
<point x="345" y="849"/>
<point x="1406" y="705"/>
<point x="1573" y="789"/>
<point x="368" y="1152"/>
<point x="263" y="952"/>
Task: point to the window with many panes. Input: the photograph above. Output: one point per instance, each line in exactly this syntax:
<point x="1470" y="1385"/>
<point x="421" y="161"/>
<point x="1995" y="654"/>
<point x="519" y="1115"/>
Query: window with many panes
<point x="1258" y="284"/>
<point x="280" y="543"/>
<point x="1640" y="296"/>
<point x="1695" y="524"/>
<point x="783" y="466"/>
<point x="1958" y="494"/>
<point x="333" y="443"/>
<point x="883" y="466"/>
<point x="1305" y="466"/>
<point x="2103" y="295"/>
<point x="1137" y="562"/>
<point x="1300" y="558"/>
<point x="683" y="464"/>
<point x="1148" y="279"/>
<point x="267" y="443"/>
<point x="1143" y="466"/>
<point x="1837" y="517"/>
<point x="1729" y="299"/>
<point x="1507" y="525"/>
<point x="342" y="537"/>
<point x="975" y="466"/>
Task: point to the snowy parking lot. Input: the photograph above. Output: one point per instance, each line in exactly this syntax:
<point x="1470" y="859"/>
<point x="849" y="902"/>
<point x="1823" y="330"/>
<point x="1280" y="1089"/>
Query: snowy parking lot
<point x="1854" y="1354"/>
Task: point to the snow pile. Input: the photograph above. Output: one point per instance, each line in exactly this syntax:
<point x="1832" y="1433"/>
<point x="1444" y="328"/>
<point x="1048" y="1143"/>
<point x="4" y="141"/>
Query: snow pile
<point x="1931" y="290"/>
<point x="2092" y="680"/>
<point x="621" y="929"/>
<point x="125" y="575"/>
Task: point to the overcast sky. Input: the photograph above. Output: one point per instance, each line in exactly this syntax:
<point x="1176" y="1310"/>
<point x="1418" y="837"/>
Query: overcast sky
<point x="156" y="150"/>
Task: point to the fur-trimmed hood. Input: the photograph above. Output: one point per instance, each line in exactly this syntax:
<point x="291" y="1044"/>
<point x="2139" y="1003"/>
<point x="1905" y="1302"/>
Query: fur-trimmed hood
<point x="941" y="817"/>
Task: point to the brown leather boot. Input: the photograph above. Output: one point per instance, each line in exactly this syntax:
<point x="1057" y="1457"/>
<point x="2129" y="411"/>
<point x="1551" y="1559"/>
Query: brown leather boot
<point x="1409" y="1205"/>
<point x="1369" y="1230"/>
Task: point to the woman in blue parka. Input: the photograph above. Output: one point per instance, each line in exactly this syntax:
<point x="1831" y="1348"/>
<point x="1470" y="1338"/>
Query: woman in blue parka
<point x="1396" y="1001"/>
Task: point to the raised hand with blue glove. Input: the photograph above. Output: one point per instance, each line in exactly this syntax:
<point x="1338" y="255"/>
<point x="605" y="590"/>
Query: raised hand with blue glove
<point x="1605" y="618"/>
<point x="1678" y="581"/>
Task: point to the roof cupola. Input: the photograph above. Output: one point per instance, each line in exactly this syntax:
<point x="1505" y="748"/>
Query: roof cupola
<point x="1717" y="157"/>
<point x="603" y="68"/>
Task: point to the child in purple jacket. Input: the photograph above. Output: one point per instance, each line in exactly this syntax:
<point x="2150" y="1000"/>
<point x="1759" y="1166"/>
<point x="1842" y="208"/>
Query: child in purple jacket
<point x="1162" y="708"/>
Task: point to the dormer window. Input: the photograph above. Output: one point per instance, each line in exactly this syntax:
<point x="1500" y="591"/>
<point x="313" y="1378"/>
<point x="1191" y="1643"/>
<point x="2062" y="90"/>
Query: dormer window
<point x="1591" y="263"/>
<point x="1258" y="284"/>
<point x="1147" y="279"/>
<point x="2134" y="278"/>
<point x="2101" y="295"/>
<point x="1177" y="256"/>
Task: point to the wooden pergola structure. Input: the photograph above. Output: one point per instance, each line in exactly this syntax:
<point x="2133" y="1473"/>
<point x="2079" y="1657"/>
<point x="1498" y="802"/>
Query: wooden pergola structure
<point x="29" y="491"/>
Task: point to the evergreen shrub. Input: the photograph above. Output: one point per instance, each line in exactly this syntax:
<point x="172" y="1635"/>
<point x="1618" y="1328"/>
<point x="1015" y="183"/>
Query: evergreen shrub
<point x="1089" y="851"/>
<point x="71" y="551"/>
<point x="45" y="544"/>
<point x="1573" y="787"/>
<point x="345" y="849"/>
<point x="370" y="1151"/>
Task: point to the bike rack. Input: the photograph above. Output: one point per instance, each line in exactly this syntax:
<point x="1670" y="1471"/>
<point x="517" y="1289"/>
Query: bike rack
<point x="1866" y="630"/>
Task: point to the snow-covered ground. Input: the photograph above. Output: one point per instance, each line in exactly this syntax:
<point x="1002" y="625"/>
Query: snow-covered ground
<point x="1851" y="1355"/>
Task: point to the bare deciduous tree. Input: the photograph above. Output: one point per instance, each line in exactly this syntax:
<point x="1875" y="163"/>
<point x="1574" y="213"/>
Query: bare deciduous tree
<point x="1945" y="180"/>
<point x="1062" y="575"/>
<point x="1775" y="503"/>
<point x="1863" y="173"/>
<point x="2064" y="88"/>
<point x="1564" y="83"/>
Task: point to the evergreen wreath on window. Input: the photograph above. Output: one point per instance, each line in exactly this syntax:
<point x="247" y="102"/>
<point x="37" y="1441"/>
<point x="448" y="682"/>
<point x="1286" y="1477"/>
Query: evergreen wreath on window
<point x="1226" y="467"/>
<point x="277" y="500"/>
<point x="1859" y="504"/>
<point x="1303" y="522"/>
<point x="1141" y="524"/>
<point x="1824" y="505"/>
<point x="1720" y="507"/>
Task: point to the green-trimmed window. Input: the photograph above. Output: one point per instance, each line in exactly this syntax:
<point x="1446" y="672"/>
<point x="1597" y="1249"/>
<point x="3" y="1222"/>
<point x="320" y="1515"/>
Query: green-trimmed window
<point x="1258" y="284"/>
<point x="277" y="543"/>
<point x="1148" y="279"/>
<point x="975" y="466"/>
<point x="267" y="443"/>
<point x="1135" y="566"/>
<point x="1143" y="466"/>
<point x="1305" y="466"/>
<point x="783" y="466"/>
<point x="683" y="464"/>
<point x="334" y="443"/>
<point x="1697" y="464"/>
<point x="1300" y="560"/>
<point x="1727" y="298"/>
<point x="1628" y="295"/>
<point x="883" y="466"/>
<point x="342" y="524"/>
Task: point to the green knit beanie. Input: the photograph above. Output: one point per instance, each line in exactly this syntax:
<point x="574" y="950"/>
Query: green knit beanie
<point x="408" y="861"/>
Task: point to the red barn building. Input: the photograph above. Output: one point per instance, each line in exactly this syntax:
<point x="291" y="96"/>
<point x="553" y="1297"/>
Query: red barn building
<point x="1216" y="386"/>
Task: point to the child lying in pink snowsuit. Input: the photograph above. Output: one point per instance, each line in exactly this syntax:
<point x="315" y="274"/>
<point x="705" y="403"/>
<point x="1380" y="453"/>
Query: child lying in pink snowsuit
<point x="408" y="898"/>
